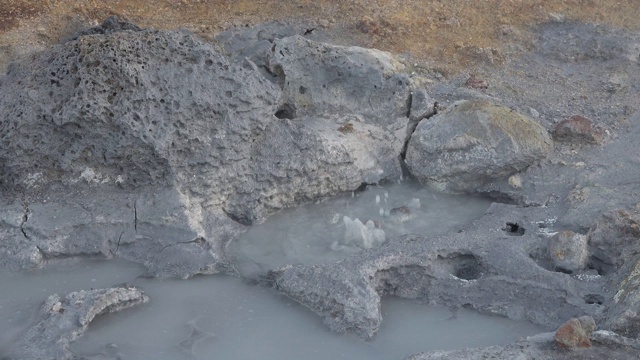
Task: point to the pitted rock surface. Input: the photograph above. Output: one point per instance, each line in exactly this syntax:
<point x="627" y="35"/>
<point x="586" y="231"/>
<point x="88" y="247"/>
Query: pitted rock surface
<point x="318" y="78"/>
<point x="151" y="108"/>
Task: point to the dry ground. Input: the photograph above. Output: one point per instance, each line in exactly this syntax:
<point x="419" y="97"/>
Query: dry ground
<point x="454" y="34"/>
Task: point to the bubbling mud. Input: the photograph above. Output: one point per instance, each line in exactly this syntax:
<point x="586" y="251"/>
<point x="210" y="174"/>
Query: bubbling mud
<point x="329" y="231"/>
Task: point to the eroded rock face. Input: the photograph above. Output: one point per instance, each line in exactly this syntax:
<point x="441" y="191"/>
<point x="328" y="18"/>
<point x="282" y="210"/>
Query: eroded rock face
<point x="149" y="108"/>
<point x="62" y="320"/>
<point x="472" y="143"/>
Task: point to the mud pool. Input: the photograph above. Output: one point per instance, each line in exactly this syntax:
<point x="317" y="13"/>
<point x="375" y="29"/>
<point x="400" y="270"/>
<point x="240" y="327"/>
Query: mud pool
<point x="223" y="317"/>
<point x="313" y="234"/>
<point x="229" y="318"/>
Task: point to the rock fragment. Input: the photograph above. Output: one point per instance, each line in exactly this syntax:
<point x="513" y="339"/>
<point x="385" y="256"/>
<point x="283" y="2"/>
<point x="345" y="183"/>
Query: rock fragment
<point x="569" y="251"/>
<point x="575" y="333"/>
<point x="422" y="105"/>
<point x="578" y="129"/>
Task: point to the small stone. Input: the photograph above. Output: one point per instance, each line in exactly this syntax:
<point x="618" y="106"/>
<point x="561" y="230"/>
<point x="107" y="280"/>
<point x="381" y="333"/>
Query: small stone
<point x="515" y="181"/>
<point x="578" y="129"/>
<point x="575" y="333"/>
<point x="422" y="105"/>
<point x="475" y="82"/>
<point x="569" y="251"/>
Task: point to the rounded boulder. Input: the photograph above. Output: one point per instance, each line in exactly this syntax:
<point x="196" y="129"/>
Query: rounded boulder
<point x="472" y="143"/>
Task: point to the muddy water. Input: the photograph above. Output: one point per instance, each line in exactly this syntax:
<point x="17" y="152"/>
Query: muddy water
<point x="219" y="317"/>
<point x="225" y="318"/>
<point x="308" y="234"/>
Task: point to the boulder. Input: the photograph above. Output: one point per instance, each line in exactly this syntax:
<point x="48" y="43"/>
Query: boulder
<point x="473" y="143"/>
<point x="146" y="108"/>
<point x="569" y="251"/>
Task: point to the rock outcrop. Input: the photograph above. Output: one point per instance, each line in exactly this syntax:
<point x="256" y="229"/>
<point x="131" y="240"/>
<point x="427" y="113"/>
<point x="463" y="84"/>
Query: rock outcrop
<point x="149" y="108"/>
<point x="118" y="111"/>
<point x="472" y="143"/>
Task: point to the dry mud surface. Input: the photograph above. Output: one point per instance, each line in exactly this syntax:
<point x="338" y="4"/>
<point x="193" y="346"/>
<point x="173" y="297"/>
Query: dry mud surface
<point x="144" y="184"/>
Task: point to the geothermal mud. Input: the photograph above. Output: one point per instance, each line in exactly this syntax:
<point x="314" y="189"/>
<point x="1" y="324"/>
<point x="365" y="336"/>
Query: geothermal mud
<point x="162" y="149"/>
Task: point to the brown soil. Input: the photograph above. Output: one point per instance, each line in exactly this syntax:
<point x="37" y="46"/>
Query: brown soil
<point x="454" y="34"/>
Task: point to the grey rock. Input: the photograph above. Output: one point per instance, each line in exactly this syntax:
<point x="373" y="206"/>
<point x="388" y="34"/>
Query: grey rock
<point x="623" y="315"/>
<point x="569" y="251"/>
<point x="63" y="320"/>
<point x="422" y="105"/>
<point x="318" y="78"/>
<point x="166" y="231"/>
<point x="472" y="143"/>
<point x="615" y="237"/>
<point x="606" y="344"/>
<point x="149" y="108"/>
<point x="111" y="107"/>
<point x="611" y="338"/>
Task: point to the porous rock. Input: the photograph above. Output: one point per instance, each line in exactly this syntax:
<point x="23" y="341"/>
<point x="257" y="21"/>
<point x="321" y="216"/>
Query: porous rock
<point x="569" y="251"/>
<point x="319" y="78"/>
<point x="150" y="108"/>
<point x="472" y="143"/>
<point x="63" y="320"/>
